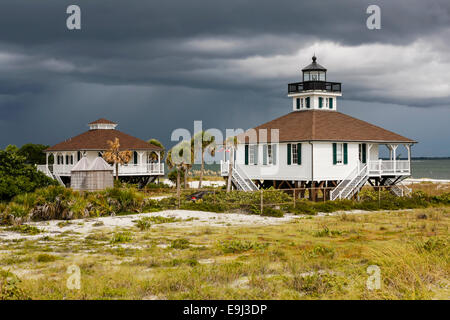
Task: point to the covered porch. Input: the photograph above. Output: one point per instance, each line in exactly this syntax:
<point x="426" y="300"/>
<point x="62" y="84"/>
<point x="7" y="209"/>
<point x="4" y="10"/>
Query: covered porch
<point x="142" y="163"/>
<point x="394" y="166"/>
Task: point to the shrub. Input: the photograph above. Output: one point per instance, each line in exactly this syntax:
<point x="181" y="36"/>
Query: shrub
<point x="143" y="224"/>
<point x="271" y="212"/>
<point x="237" y="246"/>
<point x="17" y="210"/>
<point x="325" y="232"/>
<point x="180" y="244"/>
<point x="127" y="199"/>
<point x="121" y="237"/>
<point x="434" y="244"/>
<point x="9" y="287"/>
<point x="317" y="284"/>
<point x="43" y="257"/>
<point x="321" y="251"/>
<point x="25" y="228"/>
<point x="19" y="177"/>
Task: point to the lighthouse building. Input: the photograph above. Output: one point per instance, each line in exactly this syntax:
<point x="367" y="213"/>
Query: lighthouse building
<point x="316" y="146"/>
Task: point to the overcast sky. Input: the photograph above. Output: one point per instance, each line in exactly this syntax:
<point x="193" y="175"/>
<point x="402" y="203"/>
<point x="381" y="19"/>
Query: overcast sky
<point x="154" y="66"/>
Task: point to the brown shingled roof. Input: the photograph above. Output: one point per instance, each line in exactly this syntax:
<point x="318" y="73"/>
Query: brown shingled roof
<point x="97" y="140"/>
<point x="102" y="121"/>
<point x="322" y="125"/>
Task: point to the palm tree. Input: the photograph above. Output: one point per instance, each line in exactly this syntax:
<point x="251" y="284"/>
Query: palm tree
<point x="231" y="143"/>
<point x="157" y="143"/>
<point x="114" y="156"/>
<point x="179" y="157"/>
<point x="206" y="144"/>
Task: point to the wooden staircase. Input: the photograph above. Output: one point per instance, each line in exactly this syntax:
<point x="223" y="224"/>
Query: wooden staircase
<point x="348" y="187"/>
<point x="241" y="181"/>
<point x="399" y="188"/>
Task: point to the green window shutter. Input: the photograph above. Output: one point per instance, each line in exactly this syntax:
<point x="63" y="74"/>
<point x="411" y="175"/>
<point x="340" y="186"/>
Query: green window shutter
<point x="264" y="154"/>
<point x="246" y="154"/>
<point x="135" y="157"/>
<point x="345" y="154"/>
<point x="298" y="103"/>
<point x="320" y="102"/>
<point x="331" y="102"/>
<point x="334" y="153"/>
<point x="274" y="153"/>
<point x="299" y="153"/>
<point x="289" y="154"/>
<point x="256" y="148"/>
<point x="307" y="102"/>
<point x="364" y="153"/>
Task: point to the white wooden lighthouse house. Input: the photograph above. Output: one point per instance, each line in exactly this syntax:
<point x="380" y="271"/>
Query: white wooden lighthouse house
<point x="315" y="146"/>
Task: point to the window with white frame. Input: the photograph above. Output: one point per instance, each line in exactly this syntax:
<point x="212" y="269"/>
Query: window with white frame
<point x="294" y="154"/>
<point x="339" y="153"/>
<point x="301" y="103"/>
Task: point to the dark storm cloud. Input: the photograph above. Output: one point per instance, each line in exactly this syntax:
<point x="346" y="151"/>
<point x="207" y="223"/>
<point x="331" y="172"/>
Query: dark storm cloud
<point x="220" y="61"/>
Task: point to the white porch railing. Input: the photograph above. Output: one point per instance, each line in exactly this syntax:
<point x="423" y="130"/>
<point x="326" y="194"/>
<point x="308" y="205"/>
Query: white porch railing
<point x="150" y="168"/>
<point x="129" y="169"/>
<point x="389" y="167"/>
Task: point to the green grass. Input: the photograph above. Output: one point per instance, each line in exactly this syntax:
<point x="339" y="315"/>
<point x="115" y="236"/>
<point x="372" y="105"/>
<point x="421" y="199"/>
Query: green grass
<point x="25" y="228"/>
<point x="317" y="258"/>
<point x="121" y="237"/>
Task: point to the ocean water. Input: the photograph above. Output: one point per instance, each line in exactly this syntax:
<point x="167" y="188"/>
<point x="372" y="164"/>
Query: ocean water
<point x="431" y="168"/>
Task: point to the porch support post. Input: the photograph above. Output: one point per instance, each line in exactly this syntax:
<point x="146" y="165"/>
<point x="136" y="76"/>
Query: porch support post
<point x="159" y="161"/>
<point x="408" y="148"/>
<point x="46" y="159"/>
<point x="394" y="148"/>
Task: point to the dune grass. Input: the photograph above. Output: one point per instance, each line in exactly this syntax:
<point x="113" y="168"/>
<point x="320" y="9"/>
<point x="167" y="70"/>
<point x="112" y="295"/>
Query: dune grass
<point x="311" y="258"/>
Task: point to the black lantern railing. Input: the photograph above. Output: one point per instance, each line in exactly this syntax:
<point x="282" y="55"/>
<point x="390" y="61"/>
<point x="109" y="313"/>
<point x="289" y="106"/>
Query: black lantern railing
<point x="314" y="85"/>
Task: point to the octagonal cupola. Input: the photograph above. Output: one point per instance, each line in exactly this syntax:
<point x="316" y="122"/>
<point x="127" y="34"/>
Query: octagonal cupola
<point x="102" y="124"/>
<point x="314" y="71"/>
<point x="314" y="91"/>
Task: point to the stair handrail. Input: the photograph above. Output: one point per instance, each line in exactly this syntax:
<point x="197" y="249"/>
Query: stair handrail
<point x="238" y="179"/>
<point x="248" y="182"/>
<point x="350" y="177"/>
<point x="362" y="174"/>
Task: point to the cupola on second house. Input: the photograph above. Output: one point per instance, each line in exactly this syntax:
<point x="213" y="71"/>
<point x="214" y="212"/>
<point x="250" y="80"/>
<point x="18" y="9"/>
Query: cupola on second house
<point x="102" y="123"/>
<point x="314" y="92"/>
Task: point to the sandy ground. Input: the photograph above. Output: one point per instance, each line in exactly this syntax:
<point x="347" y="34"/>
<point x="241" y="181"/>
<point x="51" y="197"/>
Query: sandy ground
<point x="83" y="227"/>
<point x="194" y="219"/>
